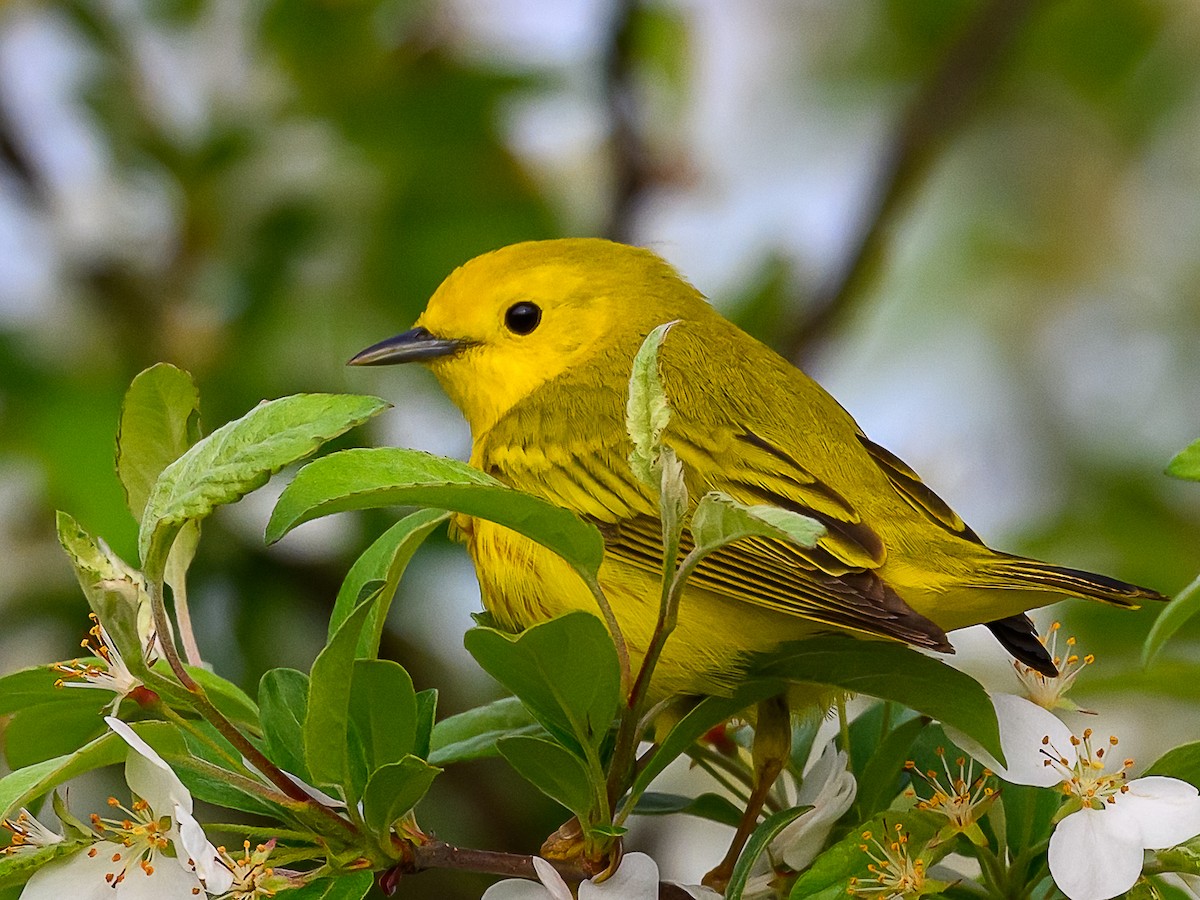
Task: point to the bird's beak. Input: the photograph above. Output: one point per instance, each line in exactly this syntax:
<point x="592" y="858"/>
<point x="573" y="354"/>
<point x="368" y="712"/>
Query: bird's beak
<point x="414" y="345"/>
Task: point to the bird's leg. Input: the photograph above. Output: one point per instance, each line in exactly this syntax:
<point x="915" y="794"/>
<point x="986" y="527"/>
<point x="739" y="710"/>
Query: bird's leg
<point x="770" y="751"/>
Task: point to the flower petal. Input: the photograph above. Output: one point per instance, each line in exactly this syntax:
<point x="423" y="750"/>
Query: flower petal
<point x="1095" y="854"/>
<point x="636" y="879"/>
<point x="1167" y="809"/>
<point x="167" y="883"/>
<point x="78" y="876"/>
<point x="517" y="889"/>
<point x="1023" y="726"/>
<point x="699" y="891"/>
<point x="192" y="846"/>
<point x="555" y="886"/>
<point x="149" y="776"/>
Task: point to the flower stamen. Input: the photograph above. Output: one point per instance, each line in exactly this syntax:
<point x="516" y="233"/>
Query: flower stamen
<point x="895" y="873"/>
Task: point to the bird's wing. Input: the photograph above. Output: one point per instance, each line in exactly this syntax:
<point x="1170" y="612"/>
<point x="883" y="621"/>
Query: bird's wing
<point x="834" y="583"/>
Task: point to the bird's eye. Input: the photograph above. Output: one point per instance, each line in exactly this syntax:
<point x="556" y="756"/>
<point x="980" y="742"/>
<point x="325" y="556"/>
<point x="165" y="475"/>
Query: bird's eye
<point x="523" y="317"/>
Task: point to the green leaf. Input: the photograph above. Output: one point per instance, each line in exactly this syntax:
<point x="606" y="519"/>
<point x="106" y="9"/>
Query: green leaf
<point x="380" y="568"/>
<point x="720" y="520"/>
<point x="160" y="419"/>
<point x="391" y="476"/>
<point x="565" y="671"/>
<point x="880" y="780"/>
<point x="889" y="671"/>
<point x="1182" y="762"/>
<point x="327" y="722"/>
<point x="22" y="787"/>
<point x="834" y="868"/>
<point x="1028" y="816"/>
<point x="647" y="411"/>
<point x="394" y="789"/>
<point x="241" y="456"/>
<point x="757" y="845"/>
<point x="691" y="727"/>
<point x="383" y="717"/>
<point x="1185" y="605"/>
<point x="552" y="769"/>
<point x="283" y="701"/>
<point x="202" y="769"/>
<point x="426" y="713"/>
<point x="713" y="807"/>
<point x="473" y="734"/>
<point x="17" y="868"/>
<point x="47" y="730"/>
<point x="228" y="698"/>
<point x="33" y="687"/>
<point x="1186" y="463"/>
<point x="350" y="886"/>
<point x="115" y="591"/>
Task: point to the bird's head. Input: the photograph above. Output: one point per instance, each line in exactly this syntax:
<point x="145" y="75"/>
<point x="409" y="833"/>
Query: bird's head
<point x="508" y="322"/>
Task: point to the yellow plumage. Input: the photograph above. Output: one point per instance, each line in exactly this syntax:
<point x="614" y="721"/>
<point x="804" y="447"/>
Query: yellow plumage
<point x="535" y="342"/>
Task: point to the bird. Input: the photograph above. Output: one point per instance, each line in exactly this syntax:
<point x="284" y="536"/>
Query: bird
<point x="534" y="343"/>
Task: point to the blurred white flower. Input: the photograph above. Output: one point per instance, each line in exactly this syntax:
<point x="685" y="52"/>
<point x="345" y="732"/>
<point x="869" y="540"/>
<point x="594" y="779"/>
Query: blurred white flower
<point x="829" y="789"/>
<point x="1096" y="851"/>
<point x="129" y="863"/>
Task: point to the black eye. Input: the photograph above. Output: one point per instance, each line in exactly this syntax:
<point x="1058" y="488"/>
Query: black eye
<point x="523" y="317"/>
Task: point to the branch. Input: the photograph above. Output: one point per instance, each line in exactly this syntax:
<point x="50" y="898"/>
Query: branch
<point x="943" y="104"/>
<point x="630" y="156"/>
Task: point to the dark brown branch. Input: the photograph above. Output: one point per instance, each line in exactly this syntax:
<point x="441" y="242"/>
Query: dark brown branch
<point x="630" y="157"/>
<point x="943" y="104"/>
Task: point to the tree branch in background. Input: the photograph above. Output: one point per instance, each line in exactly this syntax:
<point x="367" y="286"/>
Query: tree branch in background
<point x="944" y="103"/>
<point x="631" y="170"/>
<point x="16" y="163"/>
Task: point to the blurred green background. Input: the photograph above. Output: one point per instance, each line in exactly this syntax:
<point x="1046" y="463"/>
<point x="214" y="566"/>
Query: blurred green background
<point x="978" y="224"/>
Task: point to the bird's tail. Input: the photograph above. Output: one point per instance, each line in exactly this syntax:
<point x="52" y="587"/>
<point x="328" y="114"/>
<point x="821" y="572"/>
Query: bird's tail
<point x="1017" y="573"/>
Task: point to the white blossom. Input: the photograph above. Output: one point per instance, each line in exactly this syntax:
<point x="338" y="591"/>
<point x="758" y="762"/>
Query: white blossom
<point x="129" y="862"/>
<point x="635" y="879"/>
<point x="1096" y="851"/>
<point x="829" y="788"/>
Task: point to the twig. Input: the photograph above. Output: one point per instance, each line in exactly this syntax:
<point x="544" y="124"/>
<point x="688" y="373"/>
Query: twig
<point x="227" y="729"/>
<point x="943" y="104"/>
<point x="630" y="157"/>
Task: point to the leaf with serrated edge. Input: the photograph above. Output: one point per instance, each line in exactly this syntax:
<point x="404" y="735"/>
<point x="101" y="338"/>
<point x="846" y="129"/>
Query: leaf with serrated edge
<point x="393" y="476"/>
<point x="160" y="419"/>
<point x="647" y="411"/>
<point x="720" y="520"/>
<point x="241" y="456"/>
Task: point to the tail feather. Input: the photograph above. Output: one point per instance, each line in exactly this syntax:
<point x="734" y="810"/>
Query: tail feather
<point x="1023" y="574"/>
<point x="1018" y="635"/>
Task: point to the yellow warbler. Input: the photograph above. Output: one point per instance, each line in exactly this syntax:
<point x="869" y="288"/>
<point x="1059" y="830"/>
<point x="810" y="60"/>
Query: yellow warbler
<point x="535" y="342"/>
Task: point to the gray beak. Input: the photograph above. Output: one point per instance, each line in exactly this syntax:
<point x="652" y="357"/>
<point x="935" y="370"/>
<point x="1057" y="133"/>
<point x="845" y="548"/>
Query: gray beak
<point x="412" y="346"/>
